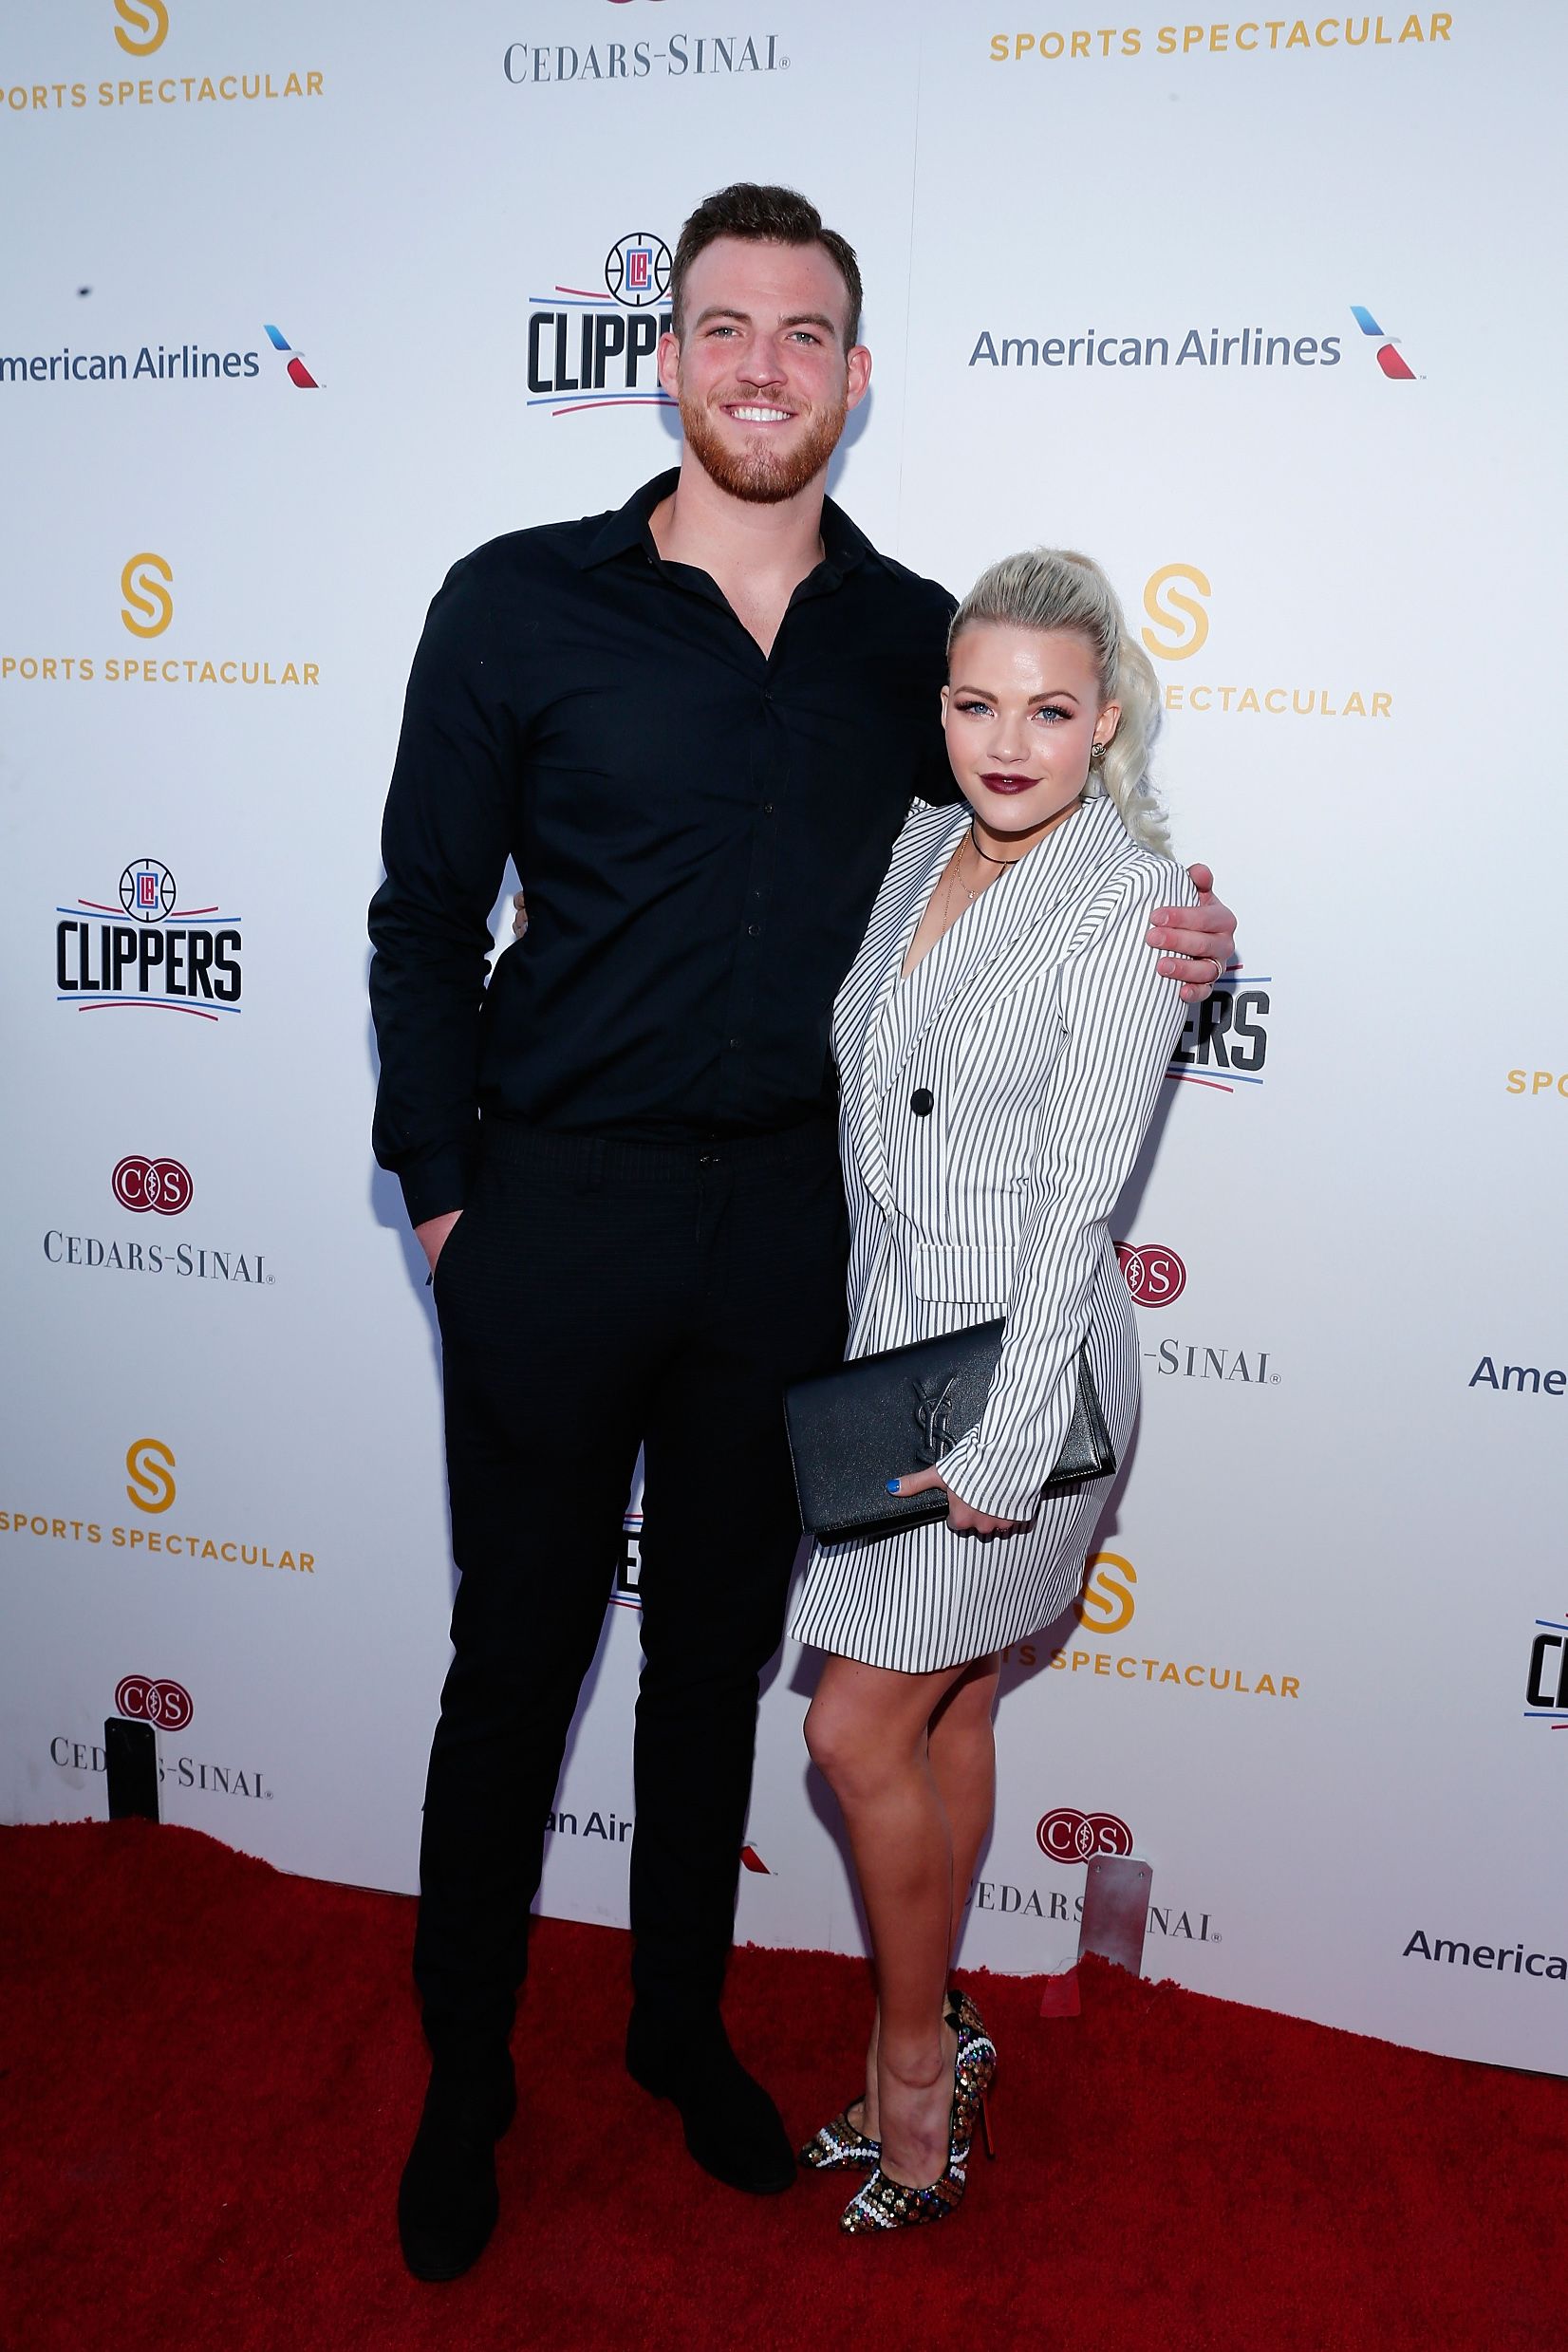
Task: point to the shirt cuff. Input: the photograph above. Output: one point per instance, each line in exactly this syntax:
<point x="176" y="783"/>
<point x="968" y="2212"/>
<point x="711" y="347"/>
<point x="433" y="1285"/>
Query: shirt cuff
<point x="1001" y="1479"/>
<point x="437" y="1185"/>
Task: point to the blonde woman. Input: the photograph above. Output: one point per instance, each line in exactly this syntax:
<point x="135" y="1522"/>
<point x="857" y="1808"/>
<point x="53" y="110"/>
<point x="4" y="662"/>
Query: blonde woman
<point x="1000" y="1040"/>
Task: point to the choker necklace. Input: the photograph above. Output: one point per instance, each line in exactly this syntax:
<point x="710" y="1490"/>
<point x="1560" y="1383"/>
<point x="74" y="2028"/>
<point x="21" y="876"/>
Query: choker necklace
<point x="986" y="852"/>
<point x="1022" y="853"/>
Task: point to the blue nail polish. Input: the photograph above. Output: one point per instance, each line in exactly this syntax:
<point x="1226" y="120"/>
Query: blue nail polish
<point x="892" y="1485"/>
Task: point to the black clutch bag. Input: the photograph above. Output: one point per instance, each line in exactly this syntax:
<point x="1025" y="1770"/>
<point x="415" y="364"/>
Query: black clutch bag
<point x="885" y="1416"/>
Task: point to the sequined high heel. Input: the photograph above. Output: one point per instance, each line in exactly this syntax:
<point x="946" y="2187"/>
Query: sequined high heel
<point x="885" y="2204"/>
<point x="840" y="2146"/>
<point x="965" y="2020"/>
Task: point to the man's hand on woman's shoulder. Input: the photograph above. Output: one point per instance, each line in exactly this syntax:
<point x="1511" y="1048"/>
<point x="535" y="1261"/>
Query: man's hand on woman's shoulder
<point x="1197" y="943"/>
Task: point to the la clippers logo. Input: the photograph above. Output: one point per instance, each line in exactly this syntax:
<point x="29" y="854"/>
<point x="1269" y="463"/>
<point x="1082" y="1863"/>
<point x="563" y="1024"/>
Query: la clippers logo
<point x="147" y="890"/>
<point x="166" y="1704"/>
<point x="600" y="348"/>
<point x="629" y="1566"/>
<point x="637" y="269"/>
<point x="1224" y="1040"/>
<point x="1546" y="1685"/>
<point x="149" y="951"/>
<point x="1068" y="1836"/>
<point x="162" y="1184"/>
<point x="1387" y="358"/>
<point x="1154" y="1275"/>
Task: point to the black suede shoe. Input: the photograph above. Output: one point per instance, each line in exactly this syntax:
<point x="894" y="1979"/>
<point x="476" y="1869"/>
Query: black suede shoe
<point x="446" y="2201"/>
<point x="732" y="2129"/>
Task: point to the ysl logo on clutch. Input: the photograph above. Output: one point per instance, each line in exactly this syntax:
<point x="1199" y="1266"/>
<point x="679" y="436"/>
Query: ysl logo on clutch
<point x="934" y="1414"/>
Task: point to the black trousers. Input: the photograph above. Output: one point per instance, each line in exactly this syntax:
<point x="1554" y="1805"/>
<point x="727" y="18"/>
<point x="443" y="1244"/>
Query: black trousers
<point x="596" y="1296"/>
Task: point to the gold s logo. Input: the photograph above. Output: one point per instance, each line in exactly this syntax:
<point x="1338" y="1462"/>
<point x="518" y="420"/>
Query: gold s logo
<point x="1169" y="608"/>
<point x="140" y="585"/>
<point x="150" y="1463"/>
<point x="1106" y="1604"/>
<point x="149" y="23"/>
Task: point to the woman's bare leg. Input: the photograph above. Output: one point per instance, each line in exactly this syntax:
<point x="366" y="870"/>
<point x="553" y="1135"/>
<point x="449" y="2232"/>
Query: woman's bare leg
<point x="962" y="1750"/>
<point x="964" y="1760"/>
<point x="869" y="1730"/>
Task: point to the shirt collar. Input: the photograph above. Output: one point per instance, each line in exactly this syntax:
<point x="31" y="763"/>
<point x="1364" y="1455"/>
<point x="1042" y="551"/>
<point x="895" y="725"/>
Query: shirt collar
<point x="844" y="544"/>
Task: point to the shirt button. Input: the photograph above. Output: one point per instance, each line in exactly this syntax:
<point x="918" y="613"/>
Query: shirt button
<point x="735" y="1045"/>
<point x="767" y="808"/>
<point x="754" y="930"/>
<point x="922" y="1102"/>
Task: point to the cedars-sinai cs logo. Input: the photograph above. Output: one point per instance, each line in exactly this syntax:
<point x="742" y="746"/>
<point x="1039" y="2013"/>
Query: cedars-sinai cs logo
<point x="140" y="1185"/>
<point x="1068" y="1836"/>
<point x="166" y="1704"/>
<point x="1154" y="1275"/>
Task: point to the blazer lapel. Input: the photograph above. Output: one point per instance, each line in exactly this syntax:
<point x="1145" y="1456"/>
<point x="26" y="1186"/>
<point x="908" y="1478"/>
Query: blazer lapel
<point x="1046" y="895"/>
<point x="922" y="851"/>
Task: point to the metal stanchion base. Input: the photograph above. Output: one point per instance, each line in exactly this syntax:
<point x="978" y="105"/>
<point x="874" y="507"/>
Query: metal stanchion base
<point x="1115" y="1919"/>
<point x="130" y="1757"/>
<point x="1115" y="1910"/>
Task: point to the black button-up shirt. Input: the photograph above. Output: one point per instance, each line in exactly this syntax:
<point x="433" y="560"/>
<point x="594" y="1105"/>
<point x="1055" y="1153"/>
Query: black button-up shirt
<point x="700" y="830"/>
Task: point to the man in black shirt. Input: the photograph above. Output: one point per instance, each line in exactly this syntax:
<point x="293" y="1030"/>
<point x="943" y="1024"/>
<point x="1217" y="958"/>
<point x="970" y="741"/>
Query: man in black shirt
<point x="696" y="724"/>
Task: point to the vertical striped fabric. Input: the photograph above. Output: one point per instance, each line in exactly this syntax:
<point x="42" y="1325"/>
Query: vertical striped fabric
<point x="1039" y="1028"/>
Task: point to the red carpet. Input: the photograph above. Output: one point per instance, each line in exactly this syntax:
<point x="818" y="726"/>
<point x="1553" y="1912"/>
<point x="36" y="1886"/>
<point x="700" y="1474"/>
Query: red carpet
<point x="211" y="2072"/>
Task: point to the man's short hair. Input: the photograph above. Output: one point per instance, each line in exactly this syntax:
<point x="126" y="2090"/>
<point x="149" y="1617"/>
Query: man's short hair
<point x="766" y="217"/>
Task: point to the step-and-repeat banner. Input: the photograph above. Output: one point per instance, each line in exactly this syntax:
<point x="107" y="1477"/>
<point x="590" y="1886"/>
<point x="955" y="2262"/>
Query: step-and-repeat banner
<point x="299" y="305"/>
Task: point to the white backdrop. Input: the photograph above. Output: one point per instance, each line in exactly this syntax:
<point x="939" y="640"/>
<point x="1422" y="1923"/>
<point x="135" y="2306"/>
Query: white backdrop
<point x="1111" y="279"/>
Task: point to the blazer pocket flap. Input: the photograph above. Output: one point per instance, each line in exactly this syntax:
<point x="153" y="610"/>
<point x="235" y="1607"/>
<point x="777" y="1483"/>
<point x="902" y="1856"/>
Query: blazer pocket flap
<point x="981" y="1278"/>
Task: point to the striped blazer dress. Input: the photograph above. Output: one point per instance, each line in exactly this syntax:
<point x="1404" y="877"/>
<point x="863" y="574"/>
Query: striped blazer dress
<point x="992" y="1105"/>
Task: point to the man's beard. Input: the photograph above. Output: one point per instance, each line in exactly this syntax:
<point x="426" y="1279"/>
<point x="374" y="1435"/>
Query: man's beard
<point x="762" y="475"/>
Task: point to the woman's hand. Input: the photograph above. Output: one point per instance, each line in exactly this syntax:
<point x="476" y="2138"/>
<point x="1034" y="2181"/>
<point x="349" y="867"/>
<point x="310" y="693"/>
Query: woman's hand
<point x="1195" y="938"/>
<point x="962" y="1520"/>
<point x="519" y="914"/>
